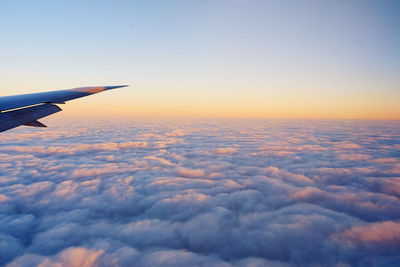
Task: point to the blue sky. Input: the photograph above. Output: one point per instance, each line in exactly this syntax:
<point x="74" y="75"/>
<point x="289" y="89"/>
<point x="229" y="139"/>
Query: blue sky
<point x="229" y="58"/>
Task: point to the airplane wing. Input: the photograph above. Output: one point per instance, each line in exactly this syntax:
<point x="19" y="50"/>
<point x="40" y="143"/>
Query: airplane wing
<point x="29" y="108"/>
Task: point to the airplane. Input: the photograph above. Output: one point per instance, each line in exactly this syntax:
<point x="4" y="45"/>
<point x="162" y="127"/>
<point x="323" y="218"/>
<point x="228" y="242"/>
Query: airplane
<point x="27" y="109"/>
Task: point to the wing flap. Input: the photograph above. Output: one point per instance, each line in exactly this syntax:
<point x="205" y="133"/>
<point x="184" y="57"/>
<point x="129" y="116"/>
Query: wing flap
<point x="35" y="124"/>
<point x="26" y="116"/>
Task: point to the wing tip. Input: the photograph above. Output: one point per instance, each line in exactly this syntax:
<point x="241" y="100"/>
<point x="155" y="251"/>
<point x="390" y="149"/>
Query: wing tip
<point x="114" y="87"/>
<point x="96" y="89"/>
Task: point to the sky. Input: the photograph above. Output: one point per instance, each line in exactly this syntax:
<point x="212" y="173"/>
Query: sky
<point x="237" y="59"/>
<point x="244" y="193"/>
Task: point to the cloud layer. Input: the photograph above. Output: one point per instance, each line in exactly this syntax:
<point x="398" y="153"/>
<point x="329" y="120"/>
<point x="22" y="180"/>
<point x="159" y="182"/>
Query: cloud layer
<point x="205" y="193"/>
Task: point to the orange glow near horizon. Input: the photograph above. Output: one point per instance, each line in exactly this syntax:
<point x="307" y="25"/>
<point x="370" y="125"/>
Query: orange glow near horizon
<point x="108" y="105"/>
<point x="287" y="104"/>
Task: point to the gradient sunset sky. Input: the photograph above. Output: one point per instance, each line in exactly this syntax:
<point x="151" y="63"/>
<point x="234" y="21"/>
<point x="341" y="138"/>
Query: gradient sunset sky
<point x="264" y="59"/>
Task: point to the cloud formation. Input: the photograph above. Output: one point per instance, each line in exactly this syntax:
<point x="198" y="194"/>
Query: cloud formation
<point x="206" y="193"/>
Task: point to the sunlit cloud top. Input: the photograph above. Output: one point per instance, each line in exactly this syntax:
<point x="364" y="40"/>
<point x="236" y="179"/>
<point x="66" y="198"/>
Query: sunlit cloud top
<point x="290" y="59"/>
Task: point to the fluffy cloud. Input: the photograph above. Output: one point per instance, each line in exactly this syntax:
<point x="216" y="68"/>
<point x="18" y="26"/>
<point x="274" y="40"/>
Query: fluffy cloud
<point x="74" y="149"/>
<point x="226" y="150"/>
<point x="381" y="233"/>
<point x="186" y="172"/>
<point x="71" y="257"/>
<point x="215" y="193"/>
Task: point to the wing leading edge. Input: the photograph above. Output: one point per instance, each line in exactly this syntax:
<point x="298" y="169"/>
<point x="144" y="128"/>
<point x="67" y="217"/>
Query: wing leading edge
<point x="29" y="108"/>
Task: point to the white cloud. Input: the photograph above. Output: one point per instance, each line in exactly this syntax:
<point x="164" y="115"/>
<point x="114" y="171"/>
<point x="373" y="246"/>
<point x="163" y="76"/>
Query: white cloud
<point x="264" y="193"/>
